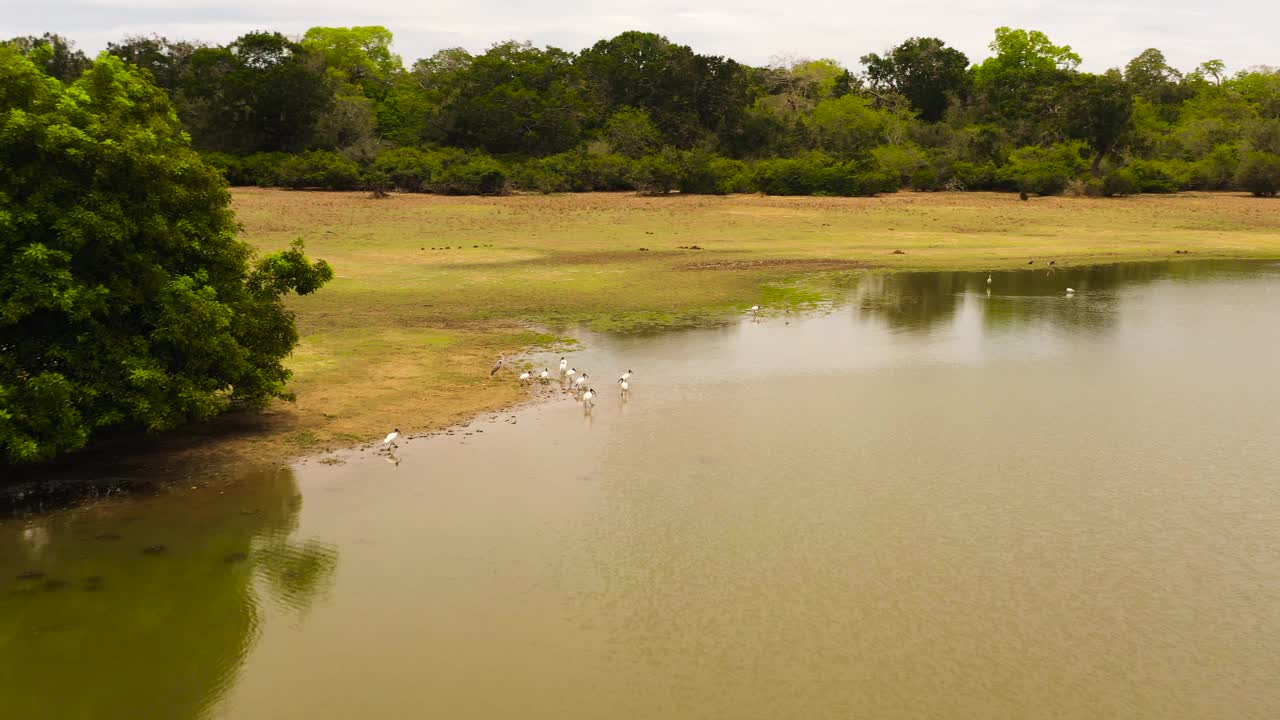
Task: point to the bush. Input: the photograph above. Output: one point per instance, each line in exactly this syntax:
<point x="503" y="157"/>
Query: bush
<point x="816" y="174"/>
<point x="1161" y="176"/>
<point x="965" y="175"/>
<point x="260" y="169"/>
<point x="448" y="171"/>
<point x="474" y="175"/>
<point x="904" y="161"/>
<point x="1217" y="170"/>
<point x="576" y="171"/>
<point x="1259" y="173"/>
<point x="319" y="169"/>
<point x="1044" y="171"/>
<point x="408" y="169"/>
<point x="1120" y="181"/>
<point x="703" y="173"/>
<point x="927" y="179"/>
<point x="657" y="174"/>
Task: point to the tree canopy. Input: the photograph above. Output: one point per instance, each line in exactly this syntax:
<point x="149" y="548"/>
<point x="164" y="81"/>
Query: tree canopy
<point x="321" y="109"/>
<point x="126" y="300"/>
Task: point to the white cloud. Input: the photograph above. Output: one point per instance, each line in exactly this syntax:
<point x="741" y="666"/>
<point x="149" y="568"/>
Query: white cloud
<point x="1106" y="34"/>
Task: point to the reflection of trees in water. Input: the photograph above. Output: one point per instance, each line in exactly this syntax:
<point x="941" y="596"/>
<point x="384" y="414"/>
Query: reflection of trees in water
<point x="918" y="302"/>
<point x="109" y="631"/>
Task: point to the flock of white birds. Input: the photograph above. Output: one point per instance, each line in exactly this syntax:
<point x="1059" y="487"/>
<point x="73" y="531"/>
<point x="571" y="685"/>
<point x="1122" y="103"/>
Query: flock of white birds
<point x="572" y="380"/>
<point x="577" y="382"/>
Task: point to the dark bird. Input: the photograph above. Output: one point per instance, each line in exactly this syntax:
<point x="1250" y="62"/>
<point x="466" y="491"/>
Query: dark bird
<point x="498" y="365"/>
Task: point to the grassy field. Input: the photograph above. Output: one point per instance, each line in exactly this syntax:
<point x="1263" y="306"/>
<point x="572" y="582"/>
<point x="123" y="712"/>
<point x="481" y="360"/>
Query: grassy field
<point x="429" y="290"/>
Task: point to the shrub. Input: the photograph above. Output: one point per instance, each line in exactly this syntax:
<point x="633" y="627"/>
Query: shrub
<point x="449" y="171"/>
<point x="1217" y="170"/>
<point x="706" y="174"/>
<point x="408" y="169"/>
<point x="1120" y="181"/>
<point x="1044" y="171"/>
<point x="965" y="175"/>
<point x="319" y="169"/>
<point x="901" y="160"/>
<point x="657" y="174"/>
<point x="816" y="174"/>
<point x="1161" y="176"/>
<point x="471" y="175"/>
<point x="927" y="179"/>
<point x="1259" y="173"/>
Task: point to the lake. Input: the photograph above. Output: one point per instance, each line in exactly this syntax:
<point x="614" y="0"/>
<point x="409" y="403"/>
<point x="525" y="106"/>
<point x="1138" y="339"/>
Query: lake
<point x="931" y="498"/>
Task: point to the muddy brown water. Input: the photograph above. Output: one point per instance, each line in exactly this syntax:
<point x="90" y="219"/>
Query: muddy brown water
<point x="925" y="501"/>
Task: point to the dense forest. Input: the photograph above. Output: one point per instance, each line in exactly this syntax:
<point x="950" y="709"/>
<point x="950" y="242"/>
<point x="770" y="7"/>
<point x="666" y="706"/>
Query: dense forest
<point x="336" y="108"/>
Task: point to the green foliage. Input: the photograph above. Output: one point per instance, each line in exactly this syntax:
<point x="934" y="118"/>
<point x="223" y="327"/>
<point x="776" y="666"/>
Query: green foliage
<point x="630" y="133"/>
<point x="930" y="75"/>
<point x="1160" y="176"/>
<point x="126" y="301"/>
<point x="577" y="171"/>
<point x="261" y="93"/>
<point x="471" y="175"/>
<point x="1216" y="170"/>
<point x="323" y="169"/>
<point x="448" y="171"/>
<point x="553" y="120"/>
<point x="1044" y="171"/>
<point x="659" y="173"/>
<point x="818" y="174"/>
<point x="1259" y="173"/>
<point x="55" y="55"/>
<point x="1120" y="181"/>
<point x="902" y="162"/>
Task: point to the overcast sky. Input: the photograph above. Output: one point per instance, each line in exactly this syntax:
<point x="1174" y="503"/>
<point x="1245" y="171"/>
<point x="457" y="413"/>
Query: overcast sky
<point x="1240" y="32"/>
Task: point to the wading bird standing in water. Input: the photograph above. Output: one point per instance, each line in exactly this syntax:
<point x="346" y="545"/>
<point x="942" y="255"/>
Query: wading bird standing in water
<point x="390" y="440"/>
<point x="755" y="309"/>
<point x="625" y="376"/>
<point x="581" y="382"/>
<point x="498" y="365"/>
<point x="988" y="279"/>
<point x="588" y="399"/>
<point x="622" y="383"/>
<point x="1071" y="291"/>
<point x="563" y="364"/>
<point x="526" y="376"/>
<point x="544" y="376"/>
<point x="568" y="376"/>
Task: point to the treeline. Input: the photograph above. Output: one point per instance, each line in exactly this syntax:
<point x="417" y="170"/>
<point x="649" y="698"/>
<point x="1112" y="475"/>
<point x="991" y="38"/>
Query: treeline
<point x="337" y="109"/>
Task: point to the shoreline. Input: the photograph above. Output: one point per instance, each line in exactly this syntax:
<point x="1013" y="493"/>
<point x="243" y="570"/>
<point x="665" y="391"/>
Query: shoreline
<point x="406" y="332"/>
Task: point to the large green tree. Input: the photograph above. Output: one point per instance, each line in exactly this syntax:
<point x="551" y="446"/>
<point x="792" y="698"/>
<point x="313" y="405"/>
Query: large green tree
<point x="517" y="98"/>
<point x="54" y="54"/>
<point x="925" y="71"/>
<point x="262" y="92"/>
<point x="126" y="301"/>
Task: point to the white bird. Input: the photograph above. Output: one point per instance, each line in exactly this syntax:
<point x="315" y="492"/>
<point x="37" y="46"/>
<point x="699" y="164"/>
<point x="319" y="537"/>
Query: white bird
<point x="588" y="398"/>
<point x="625" y="376"/>
<point x="755" y="308"/>
<point x="498" y="365"/>
<point x="1071" y="291"/>
<point x="526" y="376"/>
<point x="544" y="375"/>
<point x="580" y="382"/>
<point x="391" y="438"/>
<point x="563" y="364"/>
<point x="988" y="279"/>
<point x="624" y="385"/>
<point x="568" y="376"/>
